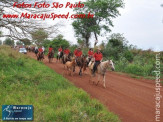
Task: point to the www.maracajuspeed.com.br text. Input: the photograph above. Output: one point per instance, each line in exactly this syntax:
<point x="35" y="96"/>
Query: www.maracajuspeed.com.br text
<point x="47" y="16"/>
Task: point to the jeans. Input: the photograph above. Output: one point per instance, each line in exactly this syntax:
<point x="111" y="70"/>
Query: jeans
<point x="95" y="66"/>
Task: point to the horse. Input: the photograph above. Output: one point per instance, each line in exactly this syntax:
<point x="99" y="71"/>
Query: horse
<point x="51" y="56"/>
<point x="101" y="70"/>
<point x="70" y="65"/>
<point x="81" y="63"/>
<point x="88" y="59"/>
<point x="40" y="56"/>
<point x="36" y="52"/>
<point x="59" y="55"/>
<point x="66" y="57"/>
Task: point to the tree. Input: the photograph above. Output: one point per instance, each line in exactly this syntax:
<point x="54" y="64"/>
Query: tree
<point x="19" y="43"/>
<point x="104" y="11"/>
<point x="39" y="36"/>
<point x="116" y="46"/>
<point x="46" y="43"/>
<point x="82" y="30"/>
<point x="26" y="41"/>
<point x="21" y="28"/>
<point x="80" y="43"/>
<point x="9" y="42"/>
<point x="59" y="41"/>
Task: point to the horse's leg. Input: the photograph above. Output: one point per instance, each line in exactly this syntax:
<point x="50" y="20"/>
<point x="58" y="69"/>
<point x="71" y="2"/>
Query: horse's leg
<point x="72" y="72"/>
<point x="104" y="81"/>
<point x="98" y="79"/>
<point x="67" y="71"/>
<point x="80" y="72"/>
<point x="90" y="79"/>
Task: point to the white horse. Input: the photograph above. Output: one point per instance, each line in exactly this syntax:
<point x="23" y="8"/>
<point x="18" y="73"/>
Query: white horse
<point x="101" y="70"/>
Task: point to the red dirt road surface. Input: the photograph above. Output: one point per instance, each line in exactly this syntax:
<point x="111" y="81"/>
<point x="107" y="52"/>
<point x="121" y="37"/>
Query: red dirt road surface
<point x="131" y="99"/>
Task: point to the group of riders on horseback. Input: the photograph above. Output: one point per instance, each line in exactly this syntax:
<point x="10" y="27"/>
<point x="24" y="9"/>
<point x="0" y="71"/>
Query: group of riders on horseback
<point x="65" y="54"/>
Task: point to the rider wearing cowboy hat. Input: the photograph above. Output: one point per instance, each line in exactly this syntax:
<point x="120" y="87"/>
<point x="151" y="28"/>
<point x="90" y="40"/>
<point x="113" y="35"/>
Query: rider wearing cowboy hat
<point x="98" y="58"/>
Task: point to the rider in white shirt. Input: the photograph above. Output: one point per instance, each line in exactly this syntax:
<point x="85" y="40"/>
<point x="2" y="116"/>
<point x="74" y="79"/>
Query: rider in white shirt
<point x="43" y="48"/>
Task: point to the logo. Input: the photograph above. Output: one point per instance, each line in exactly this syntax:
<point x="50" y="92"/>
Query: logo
<point x="17" y="112"/>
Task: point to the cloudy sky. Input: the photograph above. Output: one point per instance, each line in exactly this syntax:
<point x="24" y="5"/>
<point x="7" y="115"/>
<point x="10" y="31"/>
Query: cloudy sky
<point x="141" y="22"/>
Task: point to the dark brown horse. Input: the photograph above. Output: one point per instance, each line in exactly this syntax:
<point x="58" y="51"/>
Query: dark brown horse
<point x="51" y="56"/>
<point x="81" y="63"/>
<point x="40" y="56"/>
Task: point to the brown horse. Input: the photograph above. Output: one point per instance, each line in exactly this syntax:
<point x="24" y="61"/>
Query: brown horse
<point x="81" y="63"/>
<point x="40" y="56"/>
<point x="51" y="56"/>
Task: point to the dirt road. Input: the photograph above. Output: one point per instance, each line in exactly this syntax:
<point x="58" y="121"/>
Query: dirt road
<point x="131" y="99"/>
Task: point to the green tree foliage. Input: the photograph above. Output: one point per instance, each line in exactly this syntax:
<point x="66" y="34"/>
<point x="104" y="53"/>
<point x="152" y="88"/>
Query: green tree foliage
<point x="19" y="43"/>
<point x="73" y="47"/>
<point x="26" y="41"/>
<point x="9" y="42"/>
<point x="104" y="11"/>
<point x="57" y="42"/>
<point x="81" y="43"/>
<point x="116" y="46"/>
<point x="39" y="36"/>
<point x="46" y="43"/>
<point x="82" y="29"/>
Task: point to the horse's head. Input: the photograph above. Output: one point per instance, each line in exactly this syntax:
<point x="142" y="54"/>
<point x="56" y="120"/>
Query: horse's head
<point x="111" y="65"/>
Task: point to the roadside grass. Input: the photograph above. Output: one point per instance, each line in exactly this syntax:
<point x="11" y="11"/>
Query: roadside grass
<point x="24" y="81"/>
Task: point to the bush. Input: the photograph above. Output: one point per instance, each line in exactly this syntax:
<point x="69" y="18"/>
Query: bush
<point x="129" y="55"/>
<point x="134" y="69"/>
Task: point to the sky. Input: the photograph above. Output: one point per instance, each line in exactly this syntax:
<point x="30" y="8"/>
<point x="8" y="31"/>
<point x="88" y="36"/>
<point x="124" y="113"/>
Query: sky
<point x="141" y="23"/>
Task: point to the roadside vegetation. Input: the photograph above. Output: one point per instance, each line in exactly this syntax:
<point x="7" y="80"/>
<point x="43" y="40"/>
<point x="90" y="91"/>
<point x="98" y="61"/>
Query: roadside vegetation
<point x="128" y="58"/>
<point x="24" y="81"/>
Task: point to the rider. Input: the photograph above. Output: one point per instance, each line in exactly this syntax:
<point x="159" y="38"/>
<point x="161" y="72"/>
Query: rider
<point x="98" y="58"/>
<point x="60" y="49"/>
<point x="75" y="50"/>
<point x="40" y="50"/>
<point x="90" y="53"/>
<point x="78" y="52"/>
<point x="66" y="51"/>
<point x="50" y="50"/>
<point x="43" y="48"/>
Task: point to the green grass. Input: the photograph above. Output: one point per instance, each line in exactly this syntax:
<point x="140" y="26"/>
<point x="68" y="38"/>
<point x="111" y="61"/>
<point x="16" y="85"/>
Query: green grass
<point x="24" y="81"/>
